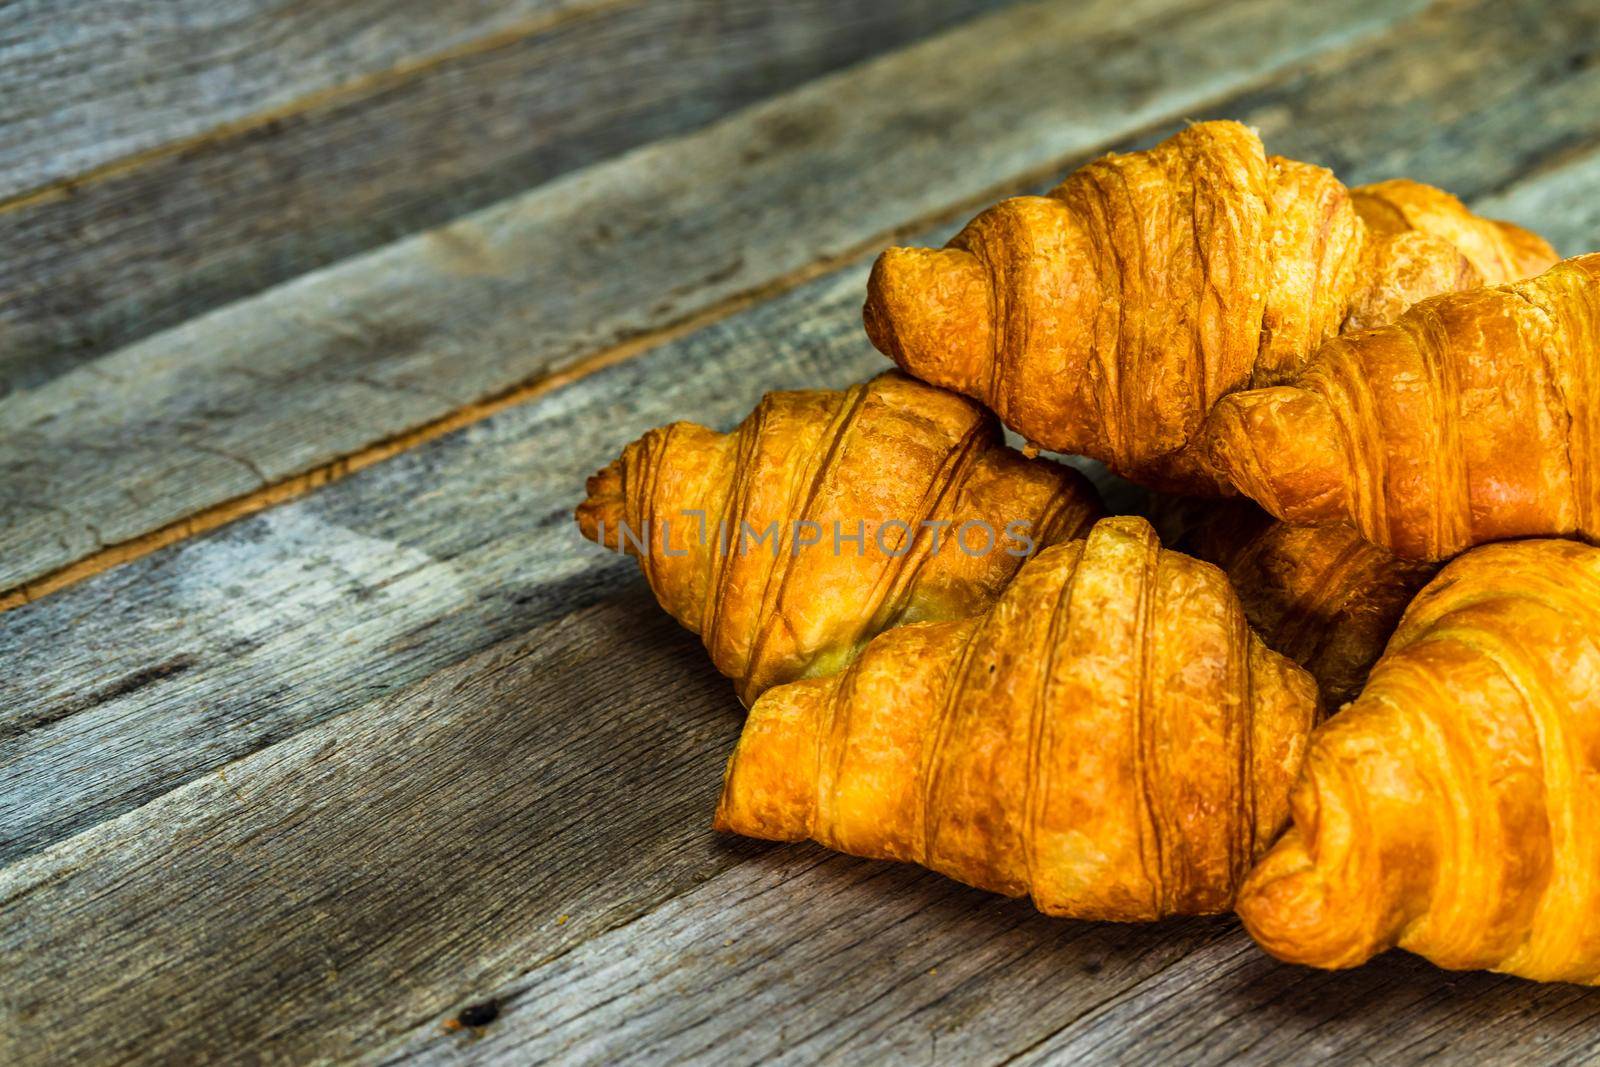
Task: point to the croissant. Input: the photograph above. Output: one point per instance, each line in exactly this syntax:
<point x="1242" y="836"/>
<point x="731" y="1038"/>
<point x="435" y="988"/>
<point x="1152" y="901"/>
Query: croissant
<point x="1109" y="737"/>
<point x="1106" y="318"/>
<point x="828" y="517"/>
<point x="1322" y="595"/>
<point x="1474" y="417"/>
<point x="1454" y="809"/>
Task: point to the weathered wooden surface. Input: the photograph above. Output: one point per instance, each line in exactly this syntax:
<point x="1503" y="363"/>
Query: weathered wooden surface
<point x="78" y="94"/>
<point x="403" y="770"/>
<point x="149" y="675"/>
<point x="918" y="969"/>
<point x="405" y="117"/>
<point x="345" y="359"/>
<point x="1564" y="200"/>
<point x="365" y="875"/>
<point x="888" y="964"/>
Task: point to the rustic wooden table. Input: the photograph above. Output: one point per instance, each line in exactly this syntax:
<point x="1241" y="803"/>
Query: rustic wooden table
<point x="324" y="737"/>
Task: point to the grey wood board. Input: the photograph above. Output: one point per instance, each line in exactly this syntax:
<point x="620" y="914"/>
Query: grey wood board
<point x="155" y="242"/>
<point x="351" y="355"/>
<point x="1562" y="202"/>
<point x="1473" y="98"/>
<point x="1231" y="1003"/>
<point x="78" y="93"/>
<point x="792" y="958"/>
<point x="315" y="899"/>
<point x="799" y="956"/>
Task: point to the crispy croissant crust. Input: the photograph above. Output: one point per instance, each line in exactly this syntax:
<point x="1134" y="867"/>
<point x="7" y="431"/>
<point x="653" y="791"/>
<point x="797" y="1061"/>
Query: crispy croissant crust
<point x="1322" y="595"/>
<point x="1475" y="417"/>
<point x="1454" y="809"/>
<point x="880" y="460"/>
<point x="1110" y="738"/>
<point x="1106" y="318"/>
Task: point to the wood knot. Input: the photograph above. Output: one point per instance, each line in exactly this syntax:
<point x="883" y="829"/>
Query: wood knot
<point x="477" y="1016"/>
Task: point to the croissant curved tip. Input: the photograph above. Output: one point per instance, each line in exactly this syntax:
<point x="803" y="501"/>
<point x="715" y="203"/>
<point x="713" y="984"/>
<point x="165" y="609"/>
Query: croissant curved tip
<point x="1530" y="254"/>
<point x="601" y="513"/>
<point x="928" y="310"/>
<point x="1499" y="252"/>
<point x="1279" y="446"/>
<point x="1286" y="907"/>
<point x="762" y="793"/>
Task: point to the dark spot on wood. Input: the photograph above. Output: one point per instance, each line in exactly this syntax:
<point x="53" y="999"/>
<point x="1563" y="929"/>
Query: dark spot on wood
<point x="477" y="1016"/>
<point x="930" y="122"/>
<point x="131" y="683"/>
<point x="1093" y="967"/>
<point x="722" y="273"/>
<point x="790" y="129"/>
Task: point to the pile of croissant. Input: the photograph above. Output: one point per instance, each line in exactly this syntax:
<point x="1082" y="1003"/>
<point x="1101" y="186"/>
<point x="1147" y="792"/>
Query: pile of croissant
<point x="1350" y="690"/>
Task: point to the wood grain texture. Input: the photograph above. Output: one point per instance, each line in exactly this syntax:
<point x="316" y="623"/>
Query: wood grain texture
<point x="1474" y="98"/>
<point x="1564" y="198"/>
<point x="231" y="642"/>
<point x="155" y="240"/>
<point x="795" y="958"/>
<point x="79" y="93"/>
<point x="334" y="889"/>
<point x="346" y="358"/>
<point x="802" y="956"/>
<point x="1229" y="1002"/>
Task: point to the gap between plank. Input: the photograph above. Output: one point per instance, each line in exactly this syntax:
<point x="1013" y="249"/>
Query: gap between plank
<point x="366" y="84"/>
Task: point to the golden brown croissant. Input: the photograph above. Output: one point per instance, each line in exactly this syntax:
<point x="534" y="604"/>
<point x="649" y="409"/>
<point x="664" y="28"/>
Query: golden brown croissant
<point x="1110" y="738"/>
<point x="1322" y="595"/>
<point x="1106" y="318"/>
<point x="828" y="517"/>
<point x="1474" y="417"/>
<point x="1454" y="809"/>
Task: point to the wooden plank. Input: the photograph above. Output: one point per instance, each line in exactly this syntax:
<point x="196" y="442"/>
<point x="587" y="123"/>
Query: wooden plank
<point x="155" y="673"/>
<point x="799" y="956"/>
<point x="152" y="241"/>
<point x="1231" y="1003"/>
<point x="74" y="96"/>
<point x="791" y="959"/>
<point x="1564" y="200"/>
<point x="326" y="893"/>
<point x="1472" y="118"/>
<point x="334" y="368"/>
